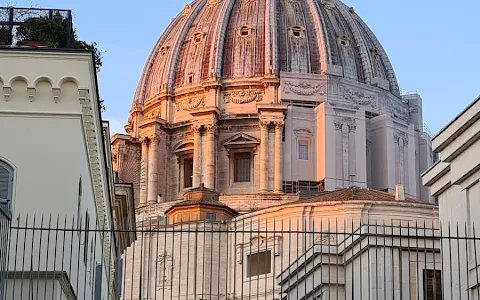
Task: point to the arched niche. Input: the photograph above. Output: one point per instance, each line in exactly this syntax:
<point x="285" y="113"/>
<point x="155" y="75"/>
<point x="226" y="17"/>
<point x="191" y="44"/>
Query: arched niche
<point x="43" y="88"/>
<point x="19" y="86"/>
<point x="69" y="88"/>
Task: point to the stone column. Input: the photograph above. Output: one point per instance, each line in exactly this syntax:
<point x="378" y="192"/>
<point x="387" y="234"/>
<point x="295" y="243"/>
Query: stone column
<point x="278" y="157"/>
<point x="143" y="172"/>
<point x="210" y="157"/>
<point x="263" y="157"/>
<point x="153" y="169"/>
<point x="197" y="156"/>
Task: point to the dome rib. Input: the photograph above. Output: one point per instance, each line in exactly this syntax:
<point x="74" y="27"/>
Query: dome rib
<point x="174" y="59"/>
<point x="322" y="42"/>
<point x="140" y="92"/>
<point x="367" y="69"/>
<point x="216" y="58"/>
<point x="394" y="87"/>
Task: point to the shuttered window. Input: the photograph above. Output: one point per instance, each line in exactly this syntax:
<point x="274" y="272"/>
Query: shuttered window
<point x="6" y="180"/>
<point x="187" y="172"/>
<point x="259" y="263"/>
<point x="242" y="166"/>
<point x="433" y="282"/>
<point x="303" y="150"/>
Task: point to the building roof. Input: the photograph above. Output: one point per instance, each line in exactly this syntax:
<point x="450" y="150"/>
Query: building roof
<point x="352" y="194"/>
<point x="221" y="40"/>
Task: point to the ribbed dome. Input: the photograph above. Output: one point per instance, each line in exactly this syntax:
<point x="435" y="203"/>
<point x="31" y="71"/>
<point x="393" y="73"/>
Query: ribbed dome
<point x="218" y="40"/>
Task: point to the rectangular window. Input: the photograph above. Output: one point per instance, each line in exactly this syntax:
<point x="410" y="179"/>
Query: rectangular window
<point x="211" y="217"/>
<point x="187" y="173"/>
<point x="242" y="166"/>
<point x="303" y="150"/>
<point x="259" y="263"/>
<point x="433" y="281"/>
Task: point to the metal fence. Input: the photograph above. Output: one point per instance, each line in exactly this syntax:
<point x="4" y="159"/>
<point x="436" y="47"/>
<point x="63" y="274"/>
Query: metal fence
<point x="12" y="17"/>
<point x="278" y="258"/>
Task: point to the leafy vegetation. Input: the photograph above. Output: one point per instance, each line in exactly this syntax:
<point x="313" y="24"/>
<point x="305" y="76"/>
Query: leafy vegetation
<point x="54" y="34"/>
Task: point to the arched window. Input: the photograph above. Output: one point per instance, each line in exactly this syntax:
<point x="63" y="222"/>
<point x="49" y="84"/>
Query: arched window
<point x="6" y="183"/>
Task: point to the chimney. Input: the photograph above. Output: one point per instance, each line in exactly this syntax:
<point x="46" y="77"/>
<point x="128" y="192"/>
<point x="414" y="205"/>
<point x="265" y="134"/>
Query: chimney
<point x="399" y="192"/>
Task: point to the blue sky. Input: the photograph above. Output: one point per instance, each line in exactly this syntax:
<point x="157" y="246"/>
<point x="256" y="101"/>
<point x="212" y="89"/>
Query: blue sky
<point x="434" y="46"/>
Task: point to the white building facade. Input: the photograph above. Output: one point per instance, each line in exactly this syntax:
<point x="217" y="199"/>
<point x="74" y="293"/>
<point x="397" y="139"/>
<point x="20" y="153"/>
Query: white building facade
<point x="454" y="181"/>
<point x="53" y="162"/>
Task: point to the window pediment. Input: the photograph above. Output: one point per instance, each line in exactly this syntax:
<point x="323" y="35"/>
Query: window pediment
<point x="241" y="140"/>
<point x="184" y="148"/>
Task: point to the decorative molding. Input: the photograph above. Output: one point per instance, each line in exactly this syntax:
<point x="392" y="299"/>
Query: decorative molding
<point x="350" y="122"/>
<point x="360" y="98"/>
<point x="191" y="103"/>
<point x="303" y="132"/>
<point x="305" y="89"/>
<point x="325" y="239"/>
<point x="243" y="96"/>
<point x="153" y="114"/>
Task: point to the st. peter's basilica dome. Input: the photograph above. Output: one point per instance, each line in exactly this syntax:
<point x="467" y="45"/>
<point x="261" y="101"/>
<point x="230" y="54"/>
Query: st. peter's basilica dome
<point x="260" y="99"/>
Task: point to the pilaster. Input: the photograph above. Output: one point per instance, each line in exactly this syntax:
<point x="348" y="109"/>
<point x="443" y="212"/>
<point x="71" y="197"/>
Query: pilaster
<point x="278" y="157"/>
<point x="197" y="155"/>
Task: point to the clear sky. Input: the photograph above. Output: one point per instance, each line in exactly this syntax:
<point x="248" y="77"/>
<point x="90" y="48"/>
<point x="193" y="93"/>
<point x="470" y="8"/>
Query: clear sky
<point x="434" y="46"/>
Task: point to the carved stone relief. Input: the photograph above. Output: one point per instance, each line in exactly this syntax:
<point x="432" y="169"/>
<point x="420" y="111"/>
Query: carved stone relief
<point x="360" y="98"/>
<point x="191" y="103"/>
<point x="398" y="111"/>
<point x="243" y="96"/>
<point x="305" y="89"/>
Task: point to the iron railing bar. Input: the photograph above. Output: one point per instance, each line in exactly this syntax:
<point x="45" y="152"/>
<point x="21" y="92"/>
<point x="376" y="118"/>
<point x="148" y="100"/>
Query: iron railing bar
<point x="336" y="253"/>
<point x="442" y="252"/>
<point x="124" y="270"/>
<point x="476" y="261"/>
<point x="180" y="261"/>
<point x="93" y="263"/>
<point x="227" y="262"/>
<point x="54" y="262"/>
<point x="361" y="266"/>
<point x="149" y="257"/>
<point x="133" y="271"/>
<point x="78" y="254"/>
<point x="85" y="255"/>
<point x="250" y="255"/>
<point x="156" y="255"/>
<point x="23" y="261"/>
<point x="466" y="264"/>
<point x="188" y="259"/>
<point x="30" y="277"/>
<point x="450" y="259"/>
<point x="384" y="261"/>
<point x="173" y="264"/>
<point x="426" y="258"/>
<point x="459" y="268"/>
<point x="289" y="254"/>
<point x="164" y="255"/>
<point x="235" y="260"/>
<point x="211" y="260"/>
<point x="39" y="257"/>
<point x="203" y="258"/>
<point x="272" y="256"/>
<point x="297" y="246"/>
<point x="376" y="261"/>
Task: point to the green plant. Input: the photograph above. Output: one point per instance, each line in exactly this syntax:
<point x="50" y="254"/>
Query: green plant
<point x="54" y="33"/>
<point x="4" y="35"/>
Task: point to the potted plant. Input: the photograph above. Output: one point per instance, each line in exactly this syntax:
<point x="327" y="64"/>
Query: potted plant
<point x="40" y="32"/>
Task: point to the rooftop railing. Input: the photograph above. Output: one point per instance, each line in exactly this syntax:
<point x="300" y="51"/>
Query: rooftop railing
<point x="11" y="18"/>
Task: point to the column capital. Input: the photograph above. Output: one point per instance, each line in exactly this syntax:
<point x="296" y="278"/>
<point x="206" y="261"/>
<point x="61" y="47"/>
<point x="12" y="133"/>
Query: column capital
<point x="144" y="140"/>
<point x="279" y="124"/>
<point x="196" y="128"/>
<point x="211" y="128"/>
<point x="154" y="138"/>
<point x="264" y="124"/>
